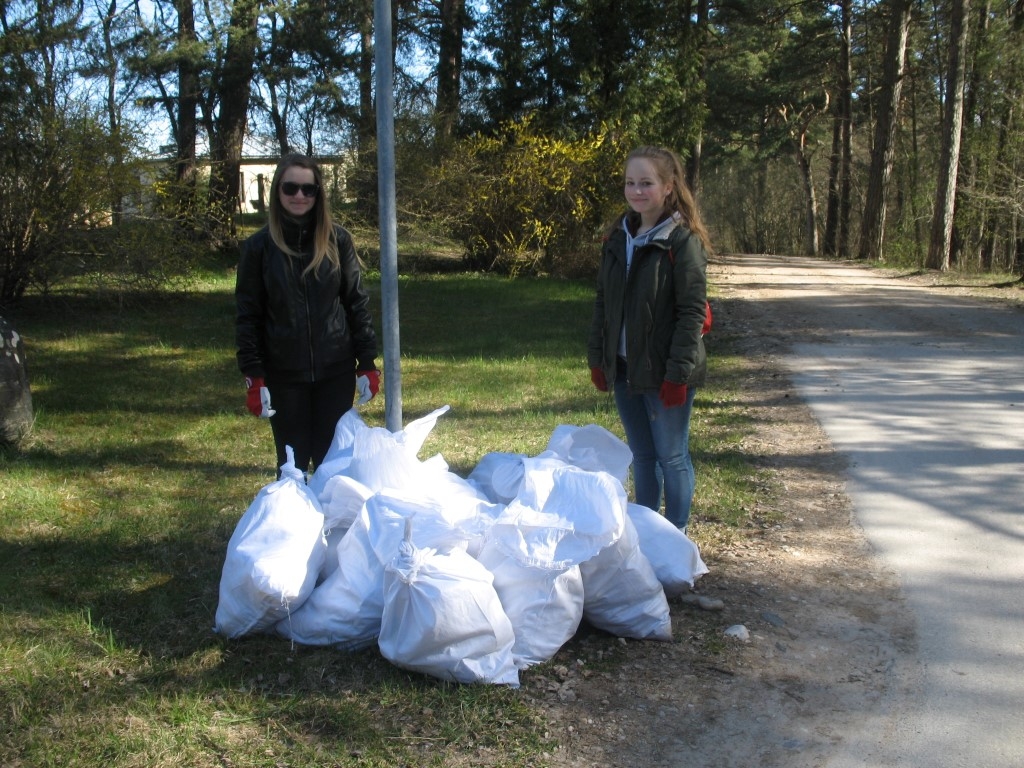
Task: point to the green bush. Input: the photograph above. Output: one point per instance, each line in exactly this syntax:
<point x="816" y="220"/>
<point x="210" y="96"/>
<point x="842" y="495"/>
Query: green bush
<point x="57" y="178"/>
<point x="524" y="203"/>
<point x="139" y="256"/>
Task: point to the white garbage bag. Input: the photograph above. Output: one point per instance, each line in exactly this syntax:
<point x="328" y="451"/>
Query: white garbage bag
<point x="564" y="515"/>
<point x="591" y="447"/>
<point x="342" y="500"/>
<point x="384" y="459"/>
<point x="381" y="461"/>
<point x="443" y="618"/>
<point x="544" y="606"/>
<point x="622" y="594"/>
<point x="673" y="555"/>
<point x="499" y="476"/>
<point x="463" y="506"/>
<point x="543" y="473"/>
<point x="534" y="554"/>
<point x="345" y="610"/>
<point x="273" y="556"/>
<point x="463" y="503"/>
<point x="387" y="463"/>
<point x="339" y="455"/>
<point x="416" y="431"/>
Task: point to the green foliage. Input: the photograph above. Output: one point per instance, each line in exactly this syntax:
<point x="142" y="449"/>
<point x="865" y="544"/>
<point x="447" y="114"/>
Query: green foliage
<point x="990" y="200"/>
<point x="138" y="256"/>
<point x="754" y="206"/>
<point x="88" y="222"/>
<point x="765" y="70"/>
<point x="576" y="65"/>
<point x="57" y="183"/>
<point x="522" y="202"/>
<point x="63" y="179"/>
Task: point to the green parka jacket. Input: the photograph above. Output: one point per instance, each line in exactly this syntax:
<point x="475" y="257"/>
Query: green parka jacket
<point x="662" y="302"/>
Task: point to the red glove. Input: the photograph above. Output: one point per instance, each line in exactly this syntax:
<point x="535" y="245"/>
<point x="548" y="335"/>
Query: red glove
<point x="707" y="319"/>
<point x="597" y="376"/>
<point x="368" y="384"/>
<point x="257" y="397"/>
<point x="672" y="394"/>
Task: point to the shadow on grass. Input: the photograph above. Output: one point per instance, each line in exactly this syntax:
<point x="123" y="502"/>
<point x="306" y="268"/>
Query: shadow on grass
<point x="174" y="360"/>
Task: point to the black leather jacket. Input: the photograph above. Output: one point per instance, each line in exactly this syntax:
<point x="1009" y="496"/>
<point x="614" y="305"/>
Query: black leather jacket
<point x="293" y="328"/>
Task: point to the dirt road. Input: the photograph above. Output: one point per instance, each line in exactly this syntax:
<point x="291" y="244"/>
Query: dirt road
<point x="836" y="671"/>
<point x="920" y="389"/>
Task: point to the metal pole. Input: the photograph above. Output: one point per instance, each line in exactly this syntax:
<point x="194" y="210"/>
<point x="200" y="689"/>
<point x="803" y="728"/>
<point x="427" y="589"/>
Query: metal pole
<point x="387" y="209"/>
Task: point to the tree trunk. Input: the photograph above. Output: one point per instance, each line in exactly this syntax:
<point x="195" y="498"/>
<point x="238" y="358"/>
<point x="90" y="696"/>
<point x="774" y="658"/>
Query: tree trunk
<point x="226" y="143"/>
<point x="977" y="113"/>
<point x="111" y="66"/>
<point x="803" y="157"/>
<point x="15" y="394"/>
<point x="366" y="132"/>
<point x="872" y="234"/>
<point x="278" y="120"/>
<point x="696" y="149"/>
<point x="449" y="67"/>
<point x="830" y="240"/>
<point x="846" y="168"/>
<point x="837" y="212"/>
<point x="186" y="127"/>
<point x="278" y="55"/>
<point x="940" y="246"/>
<point x="1004" y="239"/>
<point x="1016" y="239"/>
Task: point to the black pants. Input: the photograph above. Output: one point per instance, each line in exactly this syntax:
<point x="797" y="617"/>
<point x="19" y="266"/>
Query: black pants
<point x="306" y="415"/>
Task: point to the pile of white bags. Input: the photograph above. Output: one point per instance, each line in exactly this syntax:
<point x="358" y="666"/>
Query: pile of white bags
<point x="469" y="580"/>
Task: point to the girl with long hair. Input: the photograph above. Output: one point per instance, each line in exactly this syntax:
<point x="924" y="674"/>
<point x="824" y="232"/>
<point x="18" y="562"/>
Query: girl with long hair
<point x="646" y="337"/>
<point x="303" y="328"/>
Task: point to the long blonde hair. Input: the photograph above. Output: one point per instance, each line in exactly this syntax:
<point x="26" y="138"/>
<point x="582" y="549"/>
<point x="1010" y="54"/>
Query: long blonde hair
<point x="325" y="244"/>
<point x="680" y="200"/>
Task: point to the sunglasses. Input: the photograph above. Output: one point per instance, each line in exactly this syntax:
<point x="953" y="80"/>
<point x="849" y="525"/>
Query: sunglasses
<point x="291" y="188"/>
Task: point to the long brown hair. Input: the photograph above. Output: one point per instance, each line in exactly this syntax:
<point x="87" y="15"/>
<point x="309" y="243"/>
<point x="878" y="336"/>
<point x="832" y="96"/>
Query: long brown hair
<point x="680" y="200"/>
<point x="325" y="245"/>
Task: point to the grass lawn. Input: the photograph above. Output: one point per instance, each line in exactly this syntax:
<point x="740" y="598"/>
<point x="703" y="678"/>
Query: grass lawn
<point x="116" y="511"/>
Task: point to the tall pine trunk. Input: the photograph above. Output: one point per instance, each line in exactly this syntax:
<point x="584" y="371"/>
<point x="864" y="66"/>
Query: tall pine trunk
<point x="803" y="159"/>
<point x="697" y="147"/>
<point x="449" y="67"/>
<point x="185" y="127"/>
<point x="365" y="182"/>
<point x="837" y="216"/>
<point x="940" y="247"/>
<point x="233" y="86"/>
<point x="872" y="235"/>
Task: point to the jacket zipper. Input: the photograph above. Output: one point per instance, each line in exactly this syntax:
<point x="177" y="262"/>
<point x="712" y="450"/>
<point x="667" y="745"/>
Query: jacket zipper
<point x="304" y="280"/>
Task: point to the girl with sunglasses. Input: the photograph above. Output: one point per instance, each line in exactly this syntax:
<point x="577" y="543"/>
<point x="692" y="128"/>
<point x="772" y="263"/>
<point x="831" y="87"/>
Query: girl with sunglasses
<point x="303" y="328"/>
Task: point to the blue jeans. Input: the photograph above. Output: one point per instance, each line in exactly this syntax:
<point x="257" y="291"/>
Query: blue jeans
<point x="660" y="440"/>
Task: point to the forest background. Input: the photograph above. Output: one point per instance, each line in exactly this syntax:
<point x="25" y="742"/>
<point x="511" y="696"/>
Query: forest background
<point x="888" y="130"/>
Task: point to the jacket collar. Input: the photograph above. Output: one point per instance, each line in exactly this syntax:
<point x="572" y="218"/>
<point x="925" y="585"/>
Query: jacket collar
<point x="660" y="231"/>
<point x="298" y="233"/>
<point x="659" y="235"/>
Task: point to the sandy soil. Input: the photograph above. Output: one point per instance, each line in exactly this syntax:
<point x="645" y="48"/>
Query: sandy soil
<point x="827" y="626"/>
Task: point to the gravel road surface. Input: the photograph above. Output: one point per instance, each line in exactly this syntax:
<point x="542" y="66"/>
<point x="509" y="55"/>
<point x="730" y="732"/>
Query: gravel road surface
<point x="921" y="389"/>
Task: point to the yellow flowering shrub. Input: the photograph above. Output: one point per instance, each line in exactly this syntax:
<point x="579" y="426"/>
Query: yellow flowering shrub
<point x="525" y="203"/>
